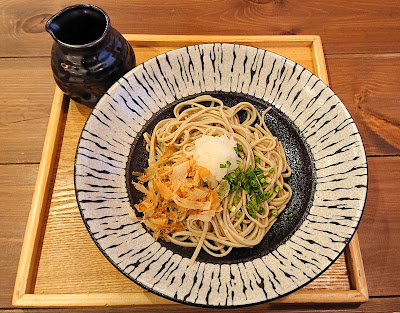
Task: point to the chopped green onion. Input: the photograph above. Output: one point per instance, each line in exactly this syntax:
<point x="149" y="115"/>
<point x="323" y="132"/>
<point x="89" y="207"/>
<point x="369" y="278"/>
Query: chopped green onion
<point x="249" y="181"/>
<point x="248" y="171"/>
<point x="222" y="166"/>
<point x="252" y="213"/>
<point x="240" y="148"/>
<point x="232" y="175"/>
<point x="268" y="194"/>
<point x="274" y="212"/>
<point x="256" y="158"/>
<point x="290" y="214"/>
<point x="236" y="199"/>
<point x="258" y="170"/>
<point x="232" y="208"/>
<point x="236" y="149"/>
<point x="238" y="214"/>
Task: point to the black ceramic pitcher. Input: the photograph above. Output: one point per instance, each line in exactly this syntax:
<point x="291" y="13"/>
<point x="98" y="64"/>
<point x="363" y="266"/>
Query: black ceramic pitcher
<point x="88" y="55"/>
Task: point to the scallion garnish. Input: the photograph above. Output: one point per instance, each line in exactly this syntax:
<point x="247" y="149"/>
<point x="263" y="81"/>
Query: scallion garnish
<point x="232" y="208"/>
<point x="256" y="158"/>
<point x="271" y="170"/>
<point x="258" y="171"/>
<point x="236" y="199"/>
<point x="274" y="212"/>
<point x="290" y="214"/>
<point x="250" y="181"/>
<point x="252" y="213"/>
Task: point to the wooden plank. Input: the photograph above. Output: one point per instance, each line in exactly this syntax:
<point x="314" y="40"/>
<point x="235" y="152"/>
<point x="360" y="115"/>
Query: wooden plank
<point x="372" y="306"/>
<point x="41" y="196"/>
<point x="369" y="86"/>
<point x="355" y="267"/>
<point x="379" y="230"/>
<point x="149" y="46"/>
<point x="132" y="299"/>
<point x="26" y="91"/>
<point x="319" y="60"/>
<point x="24" y="35"/>
<point x="16" y="189"/>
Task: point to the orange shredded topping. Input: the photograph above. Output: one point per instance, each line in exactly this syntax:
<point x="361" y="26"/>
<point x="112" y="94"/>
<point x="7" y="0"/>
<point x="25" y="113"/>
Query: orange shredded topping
<point x="175" y="192"/>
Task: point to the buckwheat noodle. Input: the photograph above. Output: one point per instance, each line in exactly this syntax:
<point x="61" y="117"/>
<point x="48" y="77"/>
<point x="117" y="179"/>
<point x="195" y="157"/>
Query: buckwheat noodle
<point x="226" y="230"/>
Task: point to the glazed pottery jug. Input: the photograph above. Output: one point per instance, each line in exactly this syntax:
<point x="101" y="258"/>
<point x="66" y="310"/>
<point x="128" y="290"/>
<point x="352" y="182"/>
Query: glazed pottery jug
<point x="88" y="55"/>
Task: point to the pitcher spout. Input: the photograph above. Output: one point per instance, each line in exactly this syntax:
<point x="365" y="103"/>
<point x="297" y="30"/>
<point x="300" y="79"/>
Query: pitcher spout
<point x="52" y="27"/>
<point x="79" y="26"/>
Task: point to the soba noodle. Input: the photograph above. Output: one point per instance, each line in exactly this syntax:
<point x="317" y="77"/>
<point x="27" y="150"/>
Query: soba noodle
<point x="225" y="229"/>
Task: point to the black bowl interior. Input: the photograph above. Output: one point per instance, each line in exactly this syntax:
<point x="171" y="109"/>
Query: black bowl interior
<point x="302" y="180"/>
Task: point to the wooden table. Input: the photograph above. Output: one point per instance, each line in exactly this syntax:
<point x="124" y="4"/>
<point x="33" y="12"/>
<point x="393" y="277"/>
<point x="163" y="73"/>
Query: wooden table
<point x="361" y="41"/>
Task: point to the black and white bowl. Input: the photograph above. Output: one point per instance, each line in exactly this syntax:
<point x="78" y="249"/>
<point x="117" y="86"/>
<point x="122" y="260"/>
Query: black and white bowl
<point x="320" y="139"/>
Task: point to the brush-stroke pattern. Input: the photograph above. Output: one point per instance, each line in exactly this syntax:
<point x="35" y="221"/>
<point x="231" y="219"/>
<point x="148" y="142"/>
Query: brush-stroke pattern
<point x="340" y="163"/>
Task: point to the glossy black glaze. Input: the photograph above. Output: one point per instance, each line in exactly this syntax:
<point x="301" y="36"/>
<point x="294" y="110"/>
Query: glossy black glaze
<point x="88" y="55"/>
<point x="302" y="180"/>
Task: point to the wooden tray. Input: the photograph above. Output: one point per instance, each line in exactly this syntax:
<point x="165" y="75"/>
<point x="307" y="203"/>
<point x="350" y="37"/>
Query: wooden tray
<point x="61" y="266"/>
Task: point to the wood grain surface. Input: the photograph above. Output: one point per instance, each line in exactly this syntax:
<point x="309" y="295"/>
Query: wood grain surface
<point x="17" y="183"/>
<point x="369" y="87"/>
<point x="374" y="305"/>
<point x="380" y="227"/>
<point x="345" y="27"/>
<point x="361" y="40"/>
<point x="26" y="91"/>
